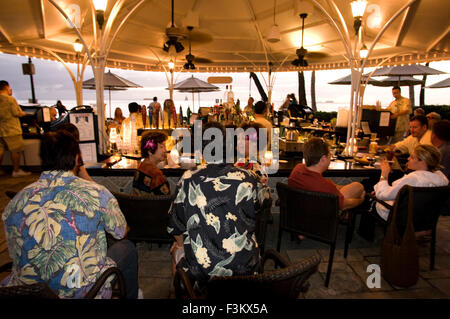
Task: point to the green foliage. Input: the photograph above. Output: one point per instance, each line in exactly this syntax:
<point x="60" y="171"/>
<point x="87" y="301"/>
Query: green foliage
<point x="443" y="110"/>
<point x="324" y="116"/>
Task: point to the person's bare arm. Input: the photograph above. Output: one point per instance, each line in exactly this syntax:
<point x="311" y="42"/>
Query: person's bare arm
<point x="395" y="115"/>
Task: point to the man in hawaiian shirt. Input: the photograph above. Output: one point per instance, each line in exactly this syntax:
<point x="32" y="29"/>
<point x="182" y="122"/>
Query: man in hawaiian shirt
<point x="56" y="227"/>
<point x="213" y="220"/>
<point x="400" y="109"/>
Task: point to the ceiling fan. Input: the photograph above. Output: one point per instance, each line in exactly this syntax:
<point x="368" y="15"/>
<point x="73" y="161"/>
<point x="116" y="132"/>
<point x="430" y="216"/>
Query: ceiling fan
<point x="300" y="61"/>
<point x="189" y="58"/>
<point x="173" y="33"/>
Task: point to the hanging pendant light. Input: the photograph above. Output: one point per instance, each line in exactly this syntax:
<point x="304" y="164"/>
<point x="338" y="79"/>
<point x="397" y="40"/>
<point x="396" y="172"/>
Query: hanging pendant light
<point x="274" y="33"/>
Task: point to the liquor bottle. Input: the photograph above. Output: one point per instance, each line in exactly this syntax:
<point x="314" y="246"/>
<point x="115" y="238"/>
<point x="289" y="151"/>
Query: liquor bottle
<point x="230" y="95"/>
<point x="225" y="95"/>
<point x="188" y="113"/>
<point x="275" y="119"/>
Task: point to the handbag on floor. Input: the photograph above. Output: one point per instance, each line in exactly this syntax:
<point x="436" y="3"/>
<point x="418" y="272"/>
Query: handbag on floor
<point x="399" y="256"/>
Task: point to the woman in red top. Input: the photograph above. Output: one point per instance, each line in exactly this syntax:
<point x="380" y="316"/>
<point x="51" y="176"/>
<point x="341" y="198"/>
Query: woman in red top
<point x="149" y="179"/>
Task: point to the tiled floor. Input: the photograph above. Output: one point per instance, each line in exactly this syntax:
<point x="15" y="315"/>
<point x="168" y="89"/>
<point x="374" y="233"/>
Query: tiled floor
<point x="348" y="279"/>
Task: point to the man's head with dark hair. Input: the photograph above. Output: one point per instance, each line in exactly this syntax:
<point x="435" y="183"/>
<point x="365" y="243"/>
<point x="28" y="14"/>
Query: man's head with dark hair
<point x="260" y="107"/>
<point x="418" y="125"/>
<point x="313" y="150"/>
<point x="421" y="119"/>
<point x="220" y="138"/>
<point x="72" y="129"/>
<point x="59" y="151"/>
<point x="441" y="130"/>
<point x="3" y="85"/>
<point x="5" y="88"/>
<point x="133" y="107"/>
<point x="155" y="99"/>
<point x="396" y="92"/>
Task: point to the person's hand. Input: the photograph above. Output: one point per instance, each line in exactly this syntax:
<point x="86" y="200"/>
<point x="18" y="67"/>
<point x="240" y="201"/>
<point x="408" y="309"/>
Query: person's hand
<point x="264" y="179"/>
<point x="385" y="168"/>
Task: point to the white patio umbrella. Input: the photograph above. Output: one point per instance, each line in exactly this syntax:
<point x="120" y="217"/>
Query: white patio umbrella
<point x="112" y="82"/>
<point x="442" y="84"/>
<point x="194" y="85"/>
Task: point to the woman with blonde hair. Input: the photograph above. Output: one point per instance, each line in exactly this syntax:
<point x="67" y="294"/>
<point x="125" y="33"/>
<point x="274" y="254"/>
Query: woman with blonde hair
<point x="424" y="163"/>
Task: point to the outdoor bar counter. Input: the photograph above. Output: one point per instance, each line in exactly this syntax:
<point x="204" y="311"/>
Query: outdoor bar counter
<point x="118" y="174"/>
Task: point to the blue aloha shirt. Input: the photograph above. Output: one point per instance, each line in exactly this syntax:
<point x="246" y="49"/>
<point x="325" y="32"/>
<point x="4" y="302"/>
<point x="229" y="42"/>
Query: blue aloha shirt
<point x="55" y="229"/>
<point x="214" y="210"/>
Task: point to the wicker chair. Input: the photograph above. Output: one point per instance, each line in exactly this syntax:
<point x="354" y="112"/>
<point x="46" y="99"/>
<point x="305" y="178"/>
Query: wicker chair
<point x="10" y="194"/>
<point x="42" y="290"/>
<point x="147" y="217"/>
<point x="426" y="203"/>
<point x="315" y="215"/>
<point x="262" y="219"/>
<point x="284" y="283"/>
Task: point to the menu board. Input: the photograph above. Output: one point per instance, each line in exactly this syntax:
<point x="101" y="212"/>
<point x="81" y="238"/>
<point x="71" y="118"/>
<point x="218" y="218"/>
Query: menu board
<point x="85" y="124"/>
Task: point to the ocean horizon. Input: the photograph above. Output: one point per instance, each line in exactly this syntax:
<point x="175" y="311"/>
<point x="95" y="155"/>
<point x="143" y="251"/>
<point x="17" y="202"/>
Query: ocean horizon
<point x="327" y="106"/>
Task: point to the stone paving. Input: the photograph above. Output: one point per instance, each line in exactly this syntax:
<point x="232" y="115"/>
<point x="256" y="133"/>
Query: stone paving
<point x="348" y="278"/>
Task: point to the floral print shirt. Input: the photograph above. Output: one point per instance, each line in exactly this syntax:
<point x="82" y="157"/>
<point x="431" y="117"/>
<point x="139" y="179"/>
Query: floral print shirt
<point x="150" y="180"/>
<point x="55" y="229"/>
<point x="214" y="210"/>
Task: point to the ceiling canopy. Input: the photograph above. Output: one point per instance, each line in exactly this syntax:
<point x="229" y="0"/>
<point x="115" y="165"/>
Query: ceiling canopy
<point x="227" y="36"/>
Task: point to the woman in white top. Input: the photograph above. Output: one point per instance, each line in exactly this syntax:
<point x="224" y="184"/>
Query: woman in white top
<point x="424" y="161"/>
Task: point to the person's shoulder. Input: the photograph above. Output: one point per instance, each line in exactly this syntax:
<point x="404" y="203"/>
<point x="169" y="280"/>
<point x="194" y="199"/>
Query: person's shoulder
<point x="8" y="99"/>
<point x="300" y="167"/>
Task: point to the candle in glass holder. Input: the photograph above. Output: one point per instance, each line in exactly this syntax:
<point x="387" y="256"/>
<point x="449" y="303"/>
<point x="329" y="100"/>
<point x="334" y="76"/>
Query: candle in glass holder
<point x="268" y="156"/>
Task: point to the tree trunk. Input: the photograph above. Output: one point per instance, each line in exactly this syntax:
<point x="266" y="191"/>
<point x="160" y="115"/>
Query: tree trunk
<point x="313" y="91"/>
<point x="301" y="89"/>
<point x="411" y="95"/>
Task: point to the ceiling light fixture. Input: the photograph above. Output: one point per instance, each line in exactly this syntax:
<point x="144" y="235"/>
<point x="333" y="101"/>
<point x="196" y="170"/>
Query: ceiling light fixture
<point x="358" y="8"/>
<point x="301" y="52"/>
<point x="100" y="8"/>
<point x="173" y="40"/>
<point x="171" y="65"/>
<point x="77" y="46"/>
<point x="274" y="33"/>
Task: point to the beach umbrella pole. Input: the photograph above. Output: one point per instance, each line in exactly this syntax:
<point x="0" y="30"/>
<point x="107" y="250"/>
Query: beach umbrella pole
<point x="109" y="103"/>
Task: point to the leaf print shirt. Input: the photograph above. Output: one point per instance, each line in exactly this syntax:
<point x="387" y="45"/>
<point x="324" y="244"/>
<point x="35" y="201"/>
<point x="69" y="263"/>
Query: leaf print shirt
<point x="214" y="210"/>
<point x="56" y="233"/>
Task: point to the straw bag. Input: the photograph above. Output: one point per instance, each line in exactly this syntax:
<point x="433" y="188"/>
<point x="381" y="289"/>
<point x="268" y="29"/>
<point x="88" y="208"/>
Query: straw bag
<point x="399" y="257"/>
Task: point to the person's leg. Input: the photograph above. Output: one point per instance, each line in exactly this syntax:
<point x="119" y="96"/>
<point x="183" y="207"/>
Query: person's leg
<point x="15" y="159"/>
<point x="16" y="146"/>
<point x="124" y="253"/>
<point x="2" y="150"/>
<point x="352" y="190"/>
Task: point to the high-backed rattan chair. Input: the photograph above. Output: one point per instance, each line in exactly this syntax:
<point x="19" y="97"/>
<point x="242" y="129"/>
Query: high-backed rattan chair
<point x="262" y="219"/>
<point x="147" y="217"/>
<point x="426" y="204"/>
<point x="284" y="283"/>
<point x="315" y="215"/>
<point x="43" y="291"/>
<point x="10" y="194"/>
